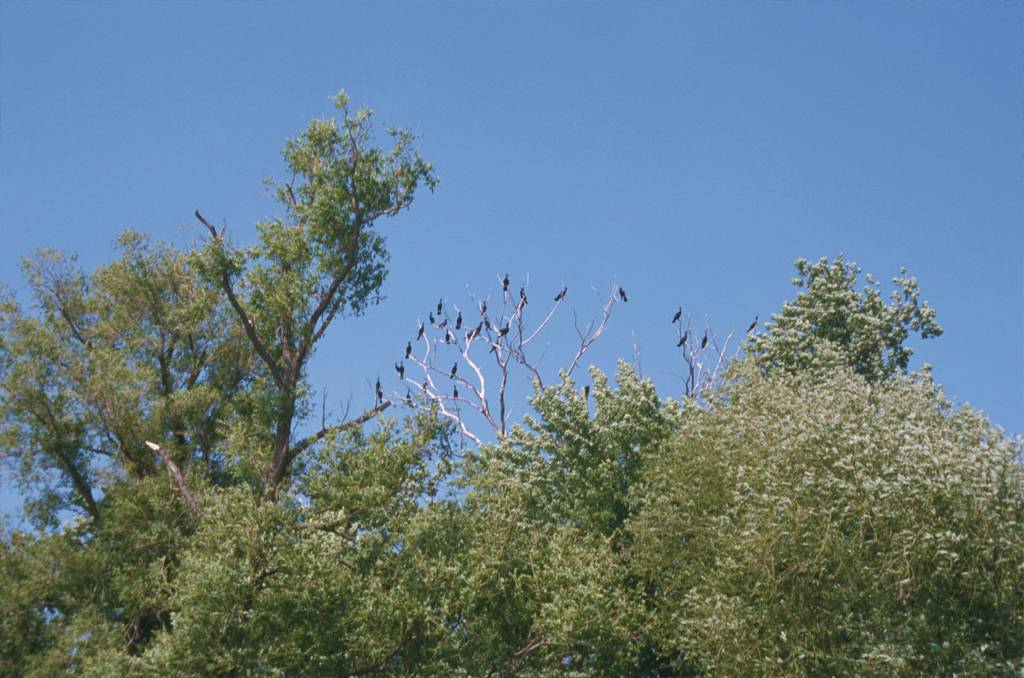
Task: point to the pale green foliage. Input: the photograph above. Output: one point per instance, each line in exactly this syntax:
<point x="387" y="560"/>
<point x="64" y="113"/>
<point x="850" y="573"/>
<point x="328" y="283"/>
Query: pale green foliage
<point x="831" y="319"/>
<point x="541" y="586"/>
<point x="821" y="524"/>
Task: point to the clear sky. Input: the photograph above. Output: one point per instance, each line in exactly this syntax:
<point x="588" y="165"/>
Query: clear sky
<point x="692" y="151"/>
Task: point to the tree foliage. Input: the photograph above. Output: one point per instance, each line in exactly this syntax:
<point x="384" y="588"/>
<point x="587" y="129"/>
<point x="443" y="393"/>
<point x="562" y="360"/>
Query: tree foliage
<point x="814" y="510"/>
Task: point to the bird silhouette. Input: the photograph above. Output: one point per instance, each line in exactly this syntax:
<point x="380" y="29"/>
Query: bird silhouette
<point x="503" y="331"/>
<point x="483" y="307"/>
<point x="458" y="321"/>
<point x="419" y="335"/>
<point x="380" y="392"/>
<point x="753" y="325"/>
<point x="504" y="284"/>
<point x="455" y="368"/>
<point x="443" y="324"/>
<point x="455" y="391"/>
<point x="586" y="392"/>
<point x="440" y="306"/>
<point x="704" y="341"/>
<point x="408" y="349"/>
<point x="622" y="294"/>
<point x="433" y="321"/>
<point x="682" y="340"/>
<point x="561" y="294"/>
<point x="408" y="396"/>
<point x="448" y="337"/>
<point x="678" y="315"/>
<point x="400" y="368"/>
<point x="487" y="324"/>
<point x="522" y="293"/>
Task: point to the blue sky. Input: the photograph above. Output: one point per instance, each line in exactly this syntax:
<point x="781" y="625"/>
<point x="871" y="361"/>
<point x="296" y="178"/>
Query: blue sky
<point x="691" y="151"/>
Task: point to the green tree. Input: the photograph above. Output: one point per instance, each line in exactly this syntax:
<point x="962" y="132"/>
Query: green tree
<point x="831" y="319"/>
<point x="823" y="524"/>
<point x="323" y="258"/>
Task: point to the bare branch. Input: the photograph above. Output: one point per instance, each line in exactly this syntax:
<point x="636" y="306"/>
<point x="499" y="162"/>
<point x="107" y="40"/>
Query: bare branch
<point x="178" y="478"/>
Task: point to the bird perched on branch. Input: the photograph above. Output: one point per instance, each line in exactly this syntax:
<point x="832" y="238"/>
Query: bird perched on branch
<point x="704" y="341"/>
<point x="400" y="368"/>
<point x="504" y="284"/>
<point x="458" y="321"/>
<point x="483" y="307"/>
<point x="455" y="368"/>
<point x="419" y="335"/>
<point x="503" y="331"/>
<point x="622" y="294"/>
<point x="448" y="337"/>
<point x="561" y="294"/>
<point x="682" y="340"/>
<point x="753" y="325"/>
<point x="380" y="392"/>
<point x="408" y="349"/>
<point x="455" y="391"/>
<point x="440" y="306"/>
<point x="678" y="315"/>
<point x="408" y="396"/>
<point x="433" y="320"/>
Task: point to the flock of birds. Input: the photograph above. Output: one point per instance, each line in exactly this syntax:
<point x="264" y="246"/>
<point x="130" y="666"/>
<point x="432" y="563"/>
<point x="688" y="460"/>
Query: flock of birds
<point x="501" y="332"/>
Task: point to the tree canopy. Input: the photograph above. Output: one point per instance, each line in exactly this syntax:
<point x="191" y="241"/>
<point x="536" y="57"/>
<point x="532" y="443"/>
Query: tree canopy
<point x="811" y="508"/>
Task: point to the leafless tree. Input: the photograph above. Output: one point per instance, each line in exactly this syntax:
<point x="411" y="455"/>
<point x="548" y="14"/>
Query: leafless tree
<point x="488" y="351"/>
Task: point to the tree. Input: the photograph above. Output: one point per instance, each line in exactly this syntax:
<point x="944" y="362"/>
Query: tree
<point x="831" y="318"/>
<point x="323" y="258"/>
<point x="138" y="350"/>
<point x="819" y="523"/>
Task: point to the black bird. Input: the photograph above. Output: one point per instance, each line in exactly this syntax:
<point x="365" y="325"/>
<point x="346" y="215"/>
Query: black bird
<point x="440" y="306"/>
<point x="408" y="397"/>
<point x="586" y="392"/>
<point x="408" y="349"/>
<point x="380" y="392"/>
<point x="504" y="284"/>
<point x="682" y="340"/>
<point x="522" y="294"/>
<point x="622" y="294"/>
<point x="503" y="331"/>
<point x="432" y="320"/>
<point x="704" y="341"/>
<point x="473" y="332"/>
<point x="483" y="307"/>
<point x="419" y="335"/>
<point x="400" y="368"/>
<point x="678" y="315"/>
<point x="448" y="337"/>
<point x="443" y="324"/>
<point x="753" y="325"/>
<point x="455" y="391"/>
<point x="487" y="324"/>
<point x="455" y="368"/>
<point x="561" y="294"/>
<point x="458" y="321"/>
<point x="426" y="383"/>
